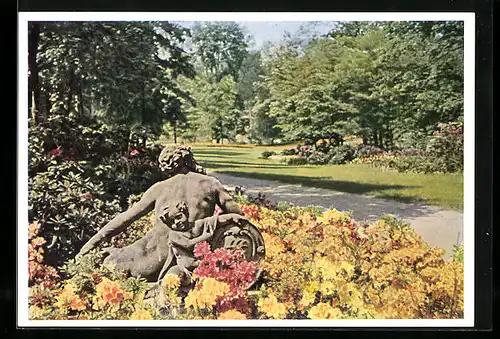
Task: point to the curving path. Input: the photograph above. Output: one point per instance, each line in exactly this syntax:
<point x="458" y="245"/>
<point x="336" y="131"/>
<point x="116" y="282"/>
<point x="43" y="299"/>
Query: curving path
<point x="438" y="227"/>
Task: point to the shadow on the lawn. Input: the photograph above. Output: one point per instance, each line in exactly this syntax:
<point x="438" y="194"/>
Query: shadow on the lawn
<point x="324" y="182"/>
<point x="216" y="152"/>
<point x="211" y="165"/>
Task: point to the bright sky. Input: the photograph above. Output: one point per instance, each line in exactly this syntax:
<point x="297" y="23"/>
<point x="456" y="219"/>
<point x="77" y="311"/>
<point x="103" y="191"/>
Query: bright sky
<point x="271" y="30"/>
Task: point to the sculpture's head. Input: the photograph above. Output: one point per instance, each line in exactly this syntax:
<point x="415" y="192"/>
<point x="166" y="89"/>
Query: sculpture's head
<point x="176" y="159"/>
<point x="176" y="217"/>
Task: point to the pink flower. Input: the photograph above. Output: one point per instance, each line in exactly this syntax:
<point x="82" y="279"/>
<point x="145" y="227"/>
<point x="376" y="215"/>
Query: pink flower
<point x="134" y="153"/>
<point x="201" y="249"/>
<point x="217" y="211"/>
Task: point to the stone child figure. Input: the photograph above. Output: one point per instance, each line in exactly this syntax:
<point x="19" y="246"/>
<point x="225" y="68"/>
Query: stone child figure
<point x="172" y="246"/>
<point x="184" y="236"/>
<point x="187" y="183"/>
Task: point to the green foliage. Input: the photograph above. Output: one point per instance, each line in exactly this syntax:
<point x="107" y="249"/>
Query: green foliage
<point x="295" y="161"/>
<point x="267" y="154"/>
<point x="289" y="151"/>
<point x="216" y="114"/>
<point x="446" y="146"/>
<point x="79" y="180"/>
<point x="221" y="47"/>
<point x="341" y="154"/>
<point x="458" y="253"/>
<point x="124" y="72"/>
<point x="380" y="81"/>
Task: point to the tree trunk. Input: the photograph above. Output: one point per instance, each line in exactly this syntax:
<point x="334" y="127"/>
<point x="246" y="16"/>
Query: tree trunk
<point x="71" y="85"/>
<point x="80" y="102"/>
<point x="34" y="80"/>
<point x="175" y="132"/>
<point x="375" y="138"/>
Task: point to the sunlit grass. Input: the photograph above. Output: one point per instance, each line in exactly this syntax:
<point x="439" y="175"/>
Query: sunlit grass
<point x="444" y="190"/>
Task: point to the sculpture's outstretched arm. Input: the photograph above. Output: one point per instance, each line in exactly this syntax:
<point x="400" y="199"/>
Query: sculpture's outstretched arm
<point x="123" y="220"/>
<point x="226" y="202"/>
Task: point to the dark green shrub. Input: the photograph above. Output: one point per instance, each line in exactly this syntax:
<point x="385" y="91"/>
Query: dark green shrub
<point x="317" y="158"/>
<point x="80" y="176"/>
<point x="289" y="151"/>
<point x="267" y="154"/>
<point x="446" y="147"/>
<point x="295" y="161"/>
<point x="341" y="154"/>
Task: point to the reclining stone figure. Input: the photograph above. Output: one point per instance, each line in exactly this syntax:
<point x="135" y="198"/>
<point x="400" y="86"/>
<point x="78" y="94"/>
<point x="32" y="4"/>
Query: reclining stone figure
<point x="187" y="183"/>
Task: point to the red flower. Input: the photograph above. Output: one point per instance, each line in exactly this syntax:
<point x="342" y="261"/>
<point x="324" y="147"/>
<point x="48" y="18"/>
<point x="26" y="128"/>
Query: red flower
<point x="87" y="196"/>
<point x="55" y="152"/>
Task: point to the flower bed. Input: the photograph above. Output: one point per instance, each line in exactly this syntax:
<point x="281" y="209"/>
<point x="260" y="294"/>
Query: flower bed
<point x="318" y="265"/>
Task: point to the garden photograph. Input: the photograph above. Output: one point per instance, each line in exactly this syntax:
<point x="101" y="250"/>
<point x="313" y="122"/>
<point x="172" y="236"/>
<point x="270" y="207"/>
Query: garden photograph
<point x="244" y="170"/>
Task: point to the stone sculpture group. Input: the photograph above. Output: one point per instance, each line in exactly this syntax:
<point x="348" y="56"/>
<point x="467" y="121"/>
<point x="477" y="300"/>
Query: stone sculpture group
<point x="184" y="206"/>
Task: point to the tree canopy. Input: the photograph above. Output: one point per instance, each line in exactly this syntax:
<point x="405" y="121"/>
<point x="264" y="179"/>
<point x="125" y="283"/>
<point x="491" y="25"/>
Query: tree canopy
<point x="386" y="82"/>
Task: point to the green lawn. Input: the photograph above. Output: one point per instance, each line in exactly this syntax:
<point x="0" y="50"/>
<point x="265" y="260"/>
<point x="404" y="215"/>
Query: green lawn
<point x="444" y="190"/>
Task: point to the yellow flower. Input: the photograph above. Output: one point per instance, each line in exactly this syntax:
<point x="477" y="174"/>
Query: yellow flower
<point x="232" y="315"/>
<point x="325" y="268"/>
<point x="36" y="312"/>
<point x="199" y="300"/>
<point x="141" y="314"/>
<point x="206" y="296"/>
<point x="171" y="281"/>
<point x="328" y="287"/>
<point x="307" y="299"/>
<point x="324" y="311"/>
<point x="274" y="245"/>
<point x="272" y="308"/>
<point x="214" y="287"/>
<point x="331" y="216"/>
<point x="66" y="298"/>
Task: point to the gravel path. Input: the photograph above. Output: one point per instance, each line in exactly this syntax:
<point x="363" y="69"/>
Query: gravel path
<point x="438" y="227"/>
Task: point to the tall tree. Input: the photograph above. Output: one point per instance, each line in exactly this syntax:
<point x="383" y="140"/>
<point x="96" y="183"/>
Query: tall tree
<point x="221" y="47"/>
<point x="123" y="72"/>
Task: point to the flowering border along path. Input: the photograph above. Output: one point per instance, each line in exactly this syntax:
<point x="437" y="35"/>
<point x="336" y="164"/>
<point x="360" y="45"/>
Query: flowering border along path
<point x="438" y="227"/>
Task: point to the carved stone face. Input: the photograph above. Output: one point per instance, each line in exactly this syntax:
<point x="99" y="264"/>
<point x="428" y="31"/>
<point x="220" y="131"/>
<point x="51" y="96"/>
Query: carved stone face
<point x="176" y="217"/>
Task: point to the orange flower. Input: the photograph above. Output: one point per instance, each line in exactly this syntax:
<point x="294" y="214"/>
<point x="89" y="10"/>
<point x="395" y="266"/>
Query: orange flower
<point x="77" y="304"/>
<point x="110" y="292"/>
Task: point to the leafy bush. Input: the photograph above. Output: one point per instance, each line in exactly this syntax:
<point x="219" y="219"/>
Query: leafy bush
<point x="317" y="158"/>
<point x="458" y="253"/>
<point x="444" y="154"/>
<point x="305" y="151"/>
<point x="80" y="176"/>
<point x="366" y="151"/>
<point x="295" y="160"/>
<point x="289" y="151"/>
<point x="447" y="147"/>
<point x="341" y="154"/>
<point x="267" y="154"/>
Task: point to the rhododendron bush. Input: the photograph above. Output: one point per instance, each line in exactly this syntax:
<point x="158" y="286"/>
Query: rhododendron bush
<point x="318" y="265"/>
